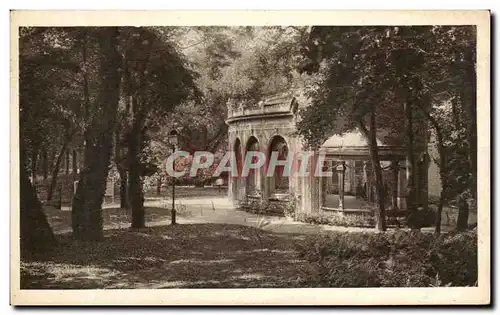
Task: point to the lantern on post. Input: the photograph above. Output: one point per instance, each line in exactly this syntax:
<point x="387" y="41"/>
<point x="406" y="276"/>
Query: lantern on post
<point x="173" y="141"/>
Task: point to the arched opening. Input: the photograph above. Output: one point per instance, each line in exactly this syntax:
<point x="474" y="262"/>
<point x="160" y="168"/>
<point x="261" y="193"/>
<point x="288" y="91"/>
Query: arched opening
<point x="253" y="179"/>
<point x="279" y="183"/>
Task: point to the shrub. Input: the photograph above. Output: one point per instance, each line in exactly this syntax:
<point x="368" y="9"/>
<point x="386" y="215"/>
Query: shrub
<point x="349" y="220"/>
<point x="252" y="206"/>
<point x="426" y="218"/>
<point x="455" y="258"/>
<point x="290" y="206"/>
<point x="397" y="259"/>
<point x="284" y="207"/>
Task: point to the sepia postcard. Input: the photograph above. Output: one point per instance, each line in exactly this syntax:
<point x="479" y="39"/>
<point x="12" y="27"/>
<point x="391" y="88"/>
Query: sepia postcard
<point x="250" y="158"/>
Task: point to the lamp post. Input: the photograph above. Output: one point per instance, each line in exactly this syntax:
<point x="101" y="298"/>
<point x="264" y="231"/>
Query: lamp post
<point x="173" y="140"/>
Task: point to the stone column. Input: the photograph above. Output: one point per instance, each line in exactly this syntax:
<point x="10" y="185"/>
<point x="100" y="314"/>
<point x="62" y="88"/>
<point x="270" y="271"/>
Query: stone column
<point x="271" y="185"/>
<point x="341" y="176"/>
<point x="395" y="180"/>
<point x="233" y="189"/>
<point x="261" y="182"/>
<point x="350" y="184"/>
<point x="322" y="186"/>
<point x="305" y="188"/>
<point x="240" y="181"/>
<point x="315" y="183"/>
<point x="230" y="187"/>
<point x="231" y="184"/>
<point x="309" y="189"/>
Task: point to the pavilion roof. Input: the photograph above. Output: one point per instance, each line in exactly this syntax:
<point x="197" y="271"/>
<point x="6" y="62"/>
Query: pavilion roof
<point x="349" y="139"/>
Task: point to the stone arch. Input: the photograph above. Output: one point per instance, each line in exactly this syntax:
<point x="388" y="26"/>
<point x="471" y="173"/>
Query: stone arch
<point x="253" y="185"/>
<point x="278" y="183"/>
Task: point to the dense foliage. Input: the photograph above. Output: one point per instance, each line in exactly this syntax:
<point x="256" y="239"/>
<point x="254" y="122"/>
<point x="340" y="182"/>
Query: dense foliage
<point x="96" y="98"/>
<point x="376" y="78"/>
<point x="396" y="259"/>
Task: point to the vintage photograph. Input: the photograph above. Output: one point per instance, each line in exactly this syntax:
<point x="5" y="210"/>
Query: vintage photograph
<point x="235" y="156"/>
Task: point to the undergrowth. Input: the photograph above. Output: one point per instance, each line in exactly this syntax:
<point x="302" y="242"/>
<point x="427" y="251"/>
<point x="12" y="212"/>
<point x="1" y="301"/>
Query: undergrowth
<point x="391" y="259"/>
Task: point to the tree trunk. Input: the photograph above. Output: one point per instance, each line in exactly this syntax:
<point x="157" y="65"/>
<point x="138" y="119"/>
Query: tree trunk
<point x="371" y="135"/>
<point x="45" y="164"/>
<point x="463" y="214"/>
<point x="52" y="157"/>
<point x="136" y="95"/>
<point x="442" y="193"/>
<point x="66" y="166"/>
<point x="443" y="170"/>
<point x="55" y="171"/>
<point x="87" y="202"/>
<point x="471" y="109"/>
<point x="136" y="198"/>
<point x="468" y="97"/>
<point x="442" y="173"/>
<point x="36" y="234"/>
<point x="410" y="165"/>
<point x="394" y="188"/>
<point x="34" y="160"/>
<point x="119" y="159"/>
<point x="74" y="173"/>
<point x="124" y="196"/>
<point x="74" y="166"/>
<point x="135" y="181"/>
<point x="158" y="186"/>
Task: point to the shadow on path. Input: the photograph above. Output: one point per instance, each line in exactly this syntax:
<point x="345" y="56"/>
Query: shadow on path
<point x="191" y="255"/>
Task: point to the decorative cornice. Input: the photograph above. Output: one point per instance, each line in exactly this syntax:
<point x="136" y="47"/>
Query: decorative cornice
<point x="257" y="116"/>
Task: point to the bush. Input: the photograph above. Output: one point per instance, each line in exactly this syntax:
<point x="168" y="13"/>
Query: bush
<point x="272" y="207"/>
<point x="349" y="220"/>
<point x="399" y="259"/>
<point x="252" y="206"/>
<point x="426" y="218"/>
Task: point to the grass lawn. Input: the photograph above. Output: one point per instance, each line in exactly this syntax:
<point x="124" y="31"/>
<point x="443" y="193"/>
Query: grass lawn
<point x="181" y="256"/>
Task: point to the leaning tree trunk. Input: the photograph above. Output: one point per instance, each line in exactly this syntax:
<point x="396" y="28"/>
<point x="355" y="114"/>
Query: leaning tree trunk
<point x="442" y="168"/>
<point x="87" y="203"/>
<point x="36" y="234"/>
<point x="45" y="164"/>
<point x="371" y="135"/>
<point x="55" y="171"/>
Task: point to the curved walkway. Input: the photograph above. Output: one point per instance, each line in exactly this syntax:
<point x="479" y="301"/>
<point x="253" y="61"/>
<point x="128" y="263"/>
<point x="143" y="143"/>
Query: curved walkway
<point x="220" y="210"/>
